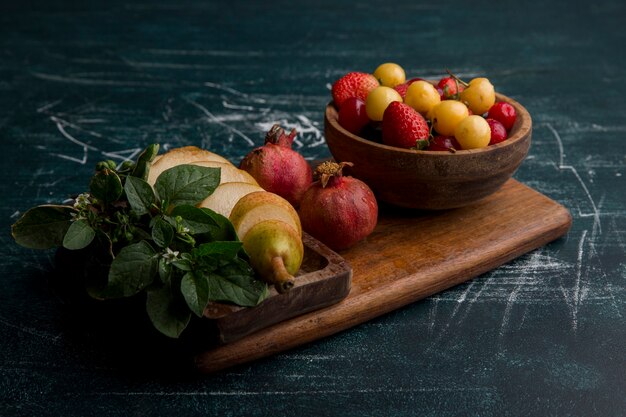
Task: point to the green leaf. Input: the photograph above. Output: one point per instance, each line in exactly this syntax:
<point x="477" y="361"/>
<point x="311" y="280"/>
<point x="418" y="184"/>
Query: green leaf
<point x="195" y="219"/>
<point x="225" y="229"/>
<point x="183" y="265"/>
<point x="139" y="194"/>
<point x="168" y="314"/>
<point x="187" y="184"/>
<point x="132" y="270"/>
<point x="165" y="270"/>
<point x="142" y="167"/>
<point x="162" y="233"/>
<point x="106" y="186"/>
<point x="221" y="250"/>
<point x="42" y="227"/>
<point x="195" y="290"/>
<point x="236" y="283"/>
<point x="79" y="235"/>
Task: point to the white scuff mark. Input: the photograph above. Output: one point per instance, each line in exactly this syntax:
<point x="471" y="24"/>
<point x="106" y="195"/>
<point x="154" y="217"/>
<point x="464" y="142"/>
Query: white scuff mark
<point x="125" y="155"/>
<point x="212" y="117"/>
<point x="577" y="300"/>
<point x="507" y="310"/>
<point x="31" y="331"/>
<point x="445" y="388"/>
<point x="234" y="92"/>
<point x="197" y="52"/>
<point x="304" y="126"/>
<point x="228" y="105"/>
<point x="85" y="81"/>
<point x="49" y="106"/>
<point x="562" y="166"/>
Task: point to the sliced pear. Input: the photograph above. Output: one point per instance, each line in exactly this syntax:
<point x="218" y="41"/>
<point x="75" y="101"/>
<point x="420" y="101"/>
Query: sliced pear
<point x="227" y="195"/>
<point x="259" y="206"/>
<point x="180" y="156"/>
<point x="229" y="172"/>
<point x="275" y="251"/>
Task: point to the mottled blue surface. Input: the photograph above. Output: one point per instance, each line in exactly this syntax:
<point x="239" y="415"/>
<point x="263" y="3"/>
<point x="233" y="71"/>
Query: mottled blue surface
<point x="544" y="335"/>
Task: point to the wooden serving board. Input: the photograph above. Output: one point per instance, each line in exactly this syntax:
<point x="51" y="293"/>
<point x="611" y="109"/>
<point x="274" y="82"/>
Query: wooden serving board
<point x="409" y="256"/>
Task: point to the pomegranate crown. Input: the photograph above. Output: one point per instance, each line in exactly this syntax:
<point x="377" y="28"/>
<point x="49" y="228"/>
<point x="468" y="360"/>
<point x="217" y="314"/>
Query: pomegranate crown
<point x="327" y="170"/>
<point x="276" y="135"/>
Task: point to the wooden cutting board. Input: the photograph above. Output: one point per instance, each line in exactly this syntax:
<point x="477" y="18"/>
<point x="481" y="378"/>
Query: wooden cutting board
<point x="409" y="256"/>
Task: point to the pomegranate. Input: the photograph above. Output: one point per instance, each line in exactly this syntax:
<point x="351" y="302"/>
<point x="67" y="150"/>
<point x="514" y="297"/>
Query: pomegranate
<point x="338" y="210"/>
<point x="278" y="168"/>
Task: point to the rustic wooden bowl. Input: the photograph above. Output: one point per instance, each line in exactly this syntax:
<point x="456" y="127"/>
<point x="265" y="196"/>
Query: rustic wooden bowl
<point x="428" y="179"/>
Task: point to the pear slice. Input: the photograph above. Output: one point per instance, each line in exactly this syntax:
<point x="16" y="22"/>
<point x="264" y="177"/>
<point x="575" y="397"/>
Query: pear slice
<point x="276" y="251"/>
<point x="229" y="172"/>
<point x="180" y="156"/>
<point x="227" y="195"/>
<point x="259" y="206"/>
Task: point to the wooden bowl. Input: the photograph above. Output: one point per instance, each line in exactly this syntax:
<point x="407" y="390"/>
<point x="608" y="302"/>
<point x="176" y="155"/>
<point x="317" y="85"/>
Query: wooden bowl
<point x="428" y="179"/>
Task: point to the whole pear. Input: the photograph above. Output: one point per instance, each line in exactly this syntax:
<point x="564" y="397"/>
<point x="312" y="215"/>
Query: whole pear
<point x="276" y="251"/>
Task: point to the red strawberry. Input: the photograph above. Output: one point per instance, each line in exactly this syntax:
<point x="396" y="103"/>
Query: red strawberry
<point x="353" y="84"/>
<point x="404" y="127"/>
<point x="401" y="88"/>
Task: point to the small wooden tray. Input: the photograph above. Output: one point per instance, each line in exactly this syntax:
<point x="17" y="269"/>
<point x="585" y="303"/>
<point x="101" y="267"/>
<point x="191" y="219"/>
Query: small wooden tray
<point x="324" y="279"/>
<point x="411" y="255"/>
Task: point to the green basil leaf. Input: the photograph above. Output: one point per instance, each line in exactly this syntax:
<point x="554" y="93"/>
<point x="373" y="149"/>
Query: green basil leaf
<point x="79" y="235"/>
<point x="132" y="270"/>
<point x="162" y="233"/>
<point x="43" y="227"/>
<point x="183" y="265"/>
<point x="195" y="219"/>
<point x="139" y="194"/>
<point x="165" y="270"/>
<point x="221" y="250"/>
<point x="106" y="186"/>
<point x="225" y="229"/>
<point x="142" y="167"/>
<point x="236" y="283"/>
<point x="187" y="184"/>
<point x="168" y="313"/>
<point x="195" y="290"/>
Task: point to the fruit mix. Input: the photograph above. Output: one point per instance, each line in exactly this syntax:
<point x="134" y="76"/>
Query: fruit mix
<point x="416" y="114"/>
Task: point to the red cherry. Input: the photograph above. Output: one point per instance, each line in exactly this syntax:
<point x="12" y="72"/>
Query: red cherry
<point x="498" y="132"/>
<point x="448" y="86"/>
<point x="443" y="143"/>
<point x="352" y="115"/>
<point x="504" y="113"/>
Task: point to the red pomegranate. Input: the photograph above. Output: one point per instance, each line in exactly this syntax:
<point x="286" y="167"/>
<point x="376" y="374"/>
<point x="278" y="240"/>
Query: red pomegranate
<point x="338" y="210"/>
<point x="278" y="168"/>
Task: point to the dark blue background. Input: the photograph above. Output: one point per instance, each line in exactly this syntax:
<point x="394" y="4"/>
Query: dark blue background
<point x="543" y="335"/>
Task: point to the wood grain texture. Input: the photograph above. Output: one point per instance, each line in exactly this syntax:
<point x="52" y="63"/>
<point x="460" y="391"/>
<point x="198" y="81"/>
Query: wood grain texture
<point x="428" y="179"/>
<point x="411" y="256"/>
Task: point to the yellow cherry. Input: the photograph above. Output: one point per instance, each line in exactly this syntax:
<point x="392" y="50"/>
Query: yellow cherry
<point x="447" y="115"/>
<point x="390" y="74"/>
<point x="377" y="101"/>
<point x="422" y="96"/>
<point x="479" y="95"/>
<point x="473" y="132"/>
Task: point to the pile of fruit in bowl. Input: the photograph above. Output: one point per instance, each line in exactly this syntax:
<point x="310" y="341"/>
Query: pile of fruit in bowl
<point x="447" y="116"/>
<point x="426" y="144"/>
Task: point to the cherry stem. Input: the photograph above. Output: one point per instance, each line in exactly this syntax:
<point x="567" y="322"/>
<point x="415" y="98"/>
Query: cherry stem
<point x="283" y="280"/>
<point x="457" y="78"/>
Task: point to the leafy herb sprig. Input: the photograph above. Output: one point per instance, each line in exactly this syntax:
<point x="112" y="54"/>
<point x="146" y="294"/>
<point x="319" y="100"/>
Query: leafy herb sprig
<point x="155" y="240"/>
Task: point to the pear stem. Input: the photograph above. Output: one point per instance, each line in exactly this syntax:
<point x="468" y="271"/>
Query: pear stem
<point x="283" y="280"/>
